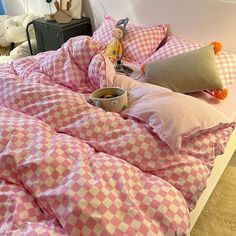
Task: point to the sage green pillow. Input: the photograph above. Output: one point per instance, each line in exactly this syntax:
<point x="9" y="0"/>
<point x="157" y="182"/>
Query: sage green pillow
<point x="187" y="72"/>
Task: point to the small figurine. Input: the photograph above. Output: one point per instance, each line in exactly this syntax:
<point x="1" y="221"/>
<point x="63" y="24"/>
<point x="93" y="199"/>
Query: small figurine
<point x="114" y="49"/>
<point x="63" y="15"/>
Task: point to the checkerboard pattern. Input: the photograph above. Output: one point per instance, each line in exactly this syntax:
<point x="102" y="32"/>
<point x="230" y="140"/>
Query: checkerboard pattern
<point x="225" y="61"/>
<point x="97" y="72"/>
<point x="21" y="215"/>
<point x="66" y="67"/>
<point x="140" y="41"/>
<point x="65" y="187"/>
<point x="94" y="172"/>
<point x="68" y="112"/>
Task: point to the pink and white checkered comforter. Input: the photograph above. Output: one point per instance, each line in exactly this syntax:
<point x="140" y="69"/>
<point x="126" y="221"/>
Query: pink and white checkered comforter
<point x="69" y="168"/>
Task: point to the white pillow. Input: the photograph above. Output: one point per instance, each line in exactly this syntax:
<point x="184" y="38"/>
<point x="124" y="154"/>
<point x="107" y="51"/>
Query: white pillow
<point x="172" y="116"/>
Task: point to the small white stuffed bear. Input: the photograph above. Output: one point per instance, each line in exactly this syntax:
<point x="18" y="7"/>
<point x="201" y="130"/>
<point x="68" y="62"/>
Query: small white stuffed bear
<point x="13" y="30"/>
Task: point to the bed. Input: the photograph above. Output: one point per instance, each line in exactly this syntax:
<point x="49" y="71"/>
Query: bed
<point x="202" y="16"/>
<point x="69" y="168"/>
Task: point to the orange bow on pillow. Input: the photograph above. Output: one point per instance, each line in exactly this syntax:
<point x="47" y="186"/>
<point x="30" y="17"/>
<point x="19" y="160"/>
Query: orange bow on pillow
<point x="219" y="94"/>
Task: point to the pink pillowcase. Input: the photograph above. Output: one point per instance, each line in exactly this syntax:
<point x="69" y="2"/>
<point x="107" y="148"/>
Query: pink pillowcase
<point x="172" y="116"/>
<point x="225" y="61"/>
<point x="142" y="41"/>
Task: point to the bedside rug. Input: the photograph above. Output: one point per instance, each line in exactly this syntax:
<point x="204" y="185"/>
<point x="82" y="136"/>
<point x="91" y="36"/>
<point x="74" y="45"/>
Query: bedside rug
<point x="219" y="215"/>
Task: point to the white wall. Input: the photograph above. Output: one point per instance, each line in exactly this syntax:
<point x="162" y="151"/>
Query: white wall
<point x="201" y="21"/>
<point x="18" y="7"/>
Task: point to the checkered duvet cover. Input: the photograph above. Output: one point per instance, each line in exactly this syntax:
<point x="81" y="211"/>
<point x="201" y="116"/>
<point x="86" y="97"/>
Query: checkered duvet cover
<point x="69" y="168"/>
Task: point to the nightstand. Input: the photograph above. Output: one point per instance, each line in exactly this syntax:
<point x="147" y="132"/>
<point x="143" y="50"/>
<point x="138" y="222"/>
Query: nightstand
<point x="50" y="35"/>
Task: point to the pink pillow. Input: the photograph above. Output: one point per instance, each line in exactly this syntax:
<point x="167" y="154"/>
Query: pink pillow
<point x="225" y="61"/>
<point x="142" y="41"/>
<point x="172" y="116"/>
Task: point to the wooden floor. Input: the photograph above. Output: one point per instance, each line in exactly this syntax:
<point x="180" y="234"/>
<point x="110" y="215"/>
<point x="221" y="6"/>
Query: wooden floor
<point x="233" y="161"/>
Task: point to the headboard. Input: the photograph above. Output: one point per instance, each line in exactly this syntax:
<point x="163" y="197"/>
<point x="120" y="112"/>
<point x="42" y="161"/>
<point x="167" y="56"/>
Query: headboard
<point x="200" y="21"/>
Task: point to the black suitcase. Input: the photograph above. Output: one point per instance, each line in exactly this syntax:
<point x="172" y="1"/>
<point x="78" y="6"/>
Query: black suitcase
<point x="51" y="35"/>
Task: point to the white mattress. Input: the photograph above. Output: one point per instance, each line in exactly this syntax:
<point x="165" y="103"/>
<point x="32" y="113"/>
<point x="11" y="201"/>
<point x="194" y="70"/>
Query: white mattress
<point x="227" y="106"/>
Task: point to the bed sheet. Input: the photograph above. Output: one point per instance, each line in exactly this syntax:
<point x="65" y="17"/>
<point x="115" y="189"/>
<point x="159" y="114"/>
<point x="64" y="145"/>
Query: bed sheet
<point x="227" y="106"/>
<point x="118" y="160"/>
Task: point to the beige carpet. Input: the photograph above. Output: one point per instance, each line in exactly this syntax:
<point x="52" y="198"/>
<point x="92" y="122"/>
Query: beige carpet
<point x="218" y="218"/>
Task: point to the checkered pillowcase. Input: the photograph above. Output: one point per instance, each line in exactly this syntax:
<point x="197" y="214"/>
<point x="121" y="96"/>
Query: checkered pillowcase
<point x="225" y="61"/>
<point x="141" y="41"/>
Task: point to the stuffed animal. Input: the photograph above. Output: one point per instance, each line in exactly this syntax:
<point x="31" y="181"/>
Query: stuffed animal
<point x="13" y="34"/>
<point x="114" y="49"/>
